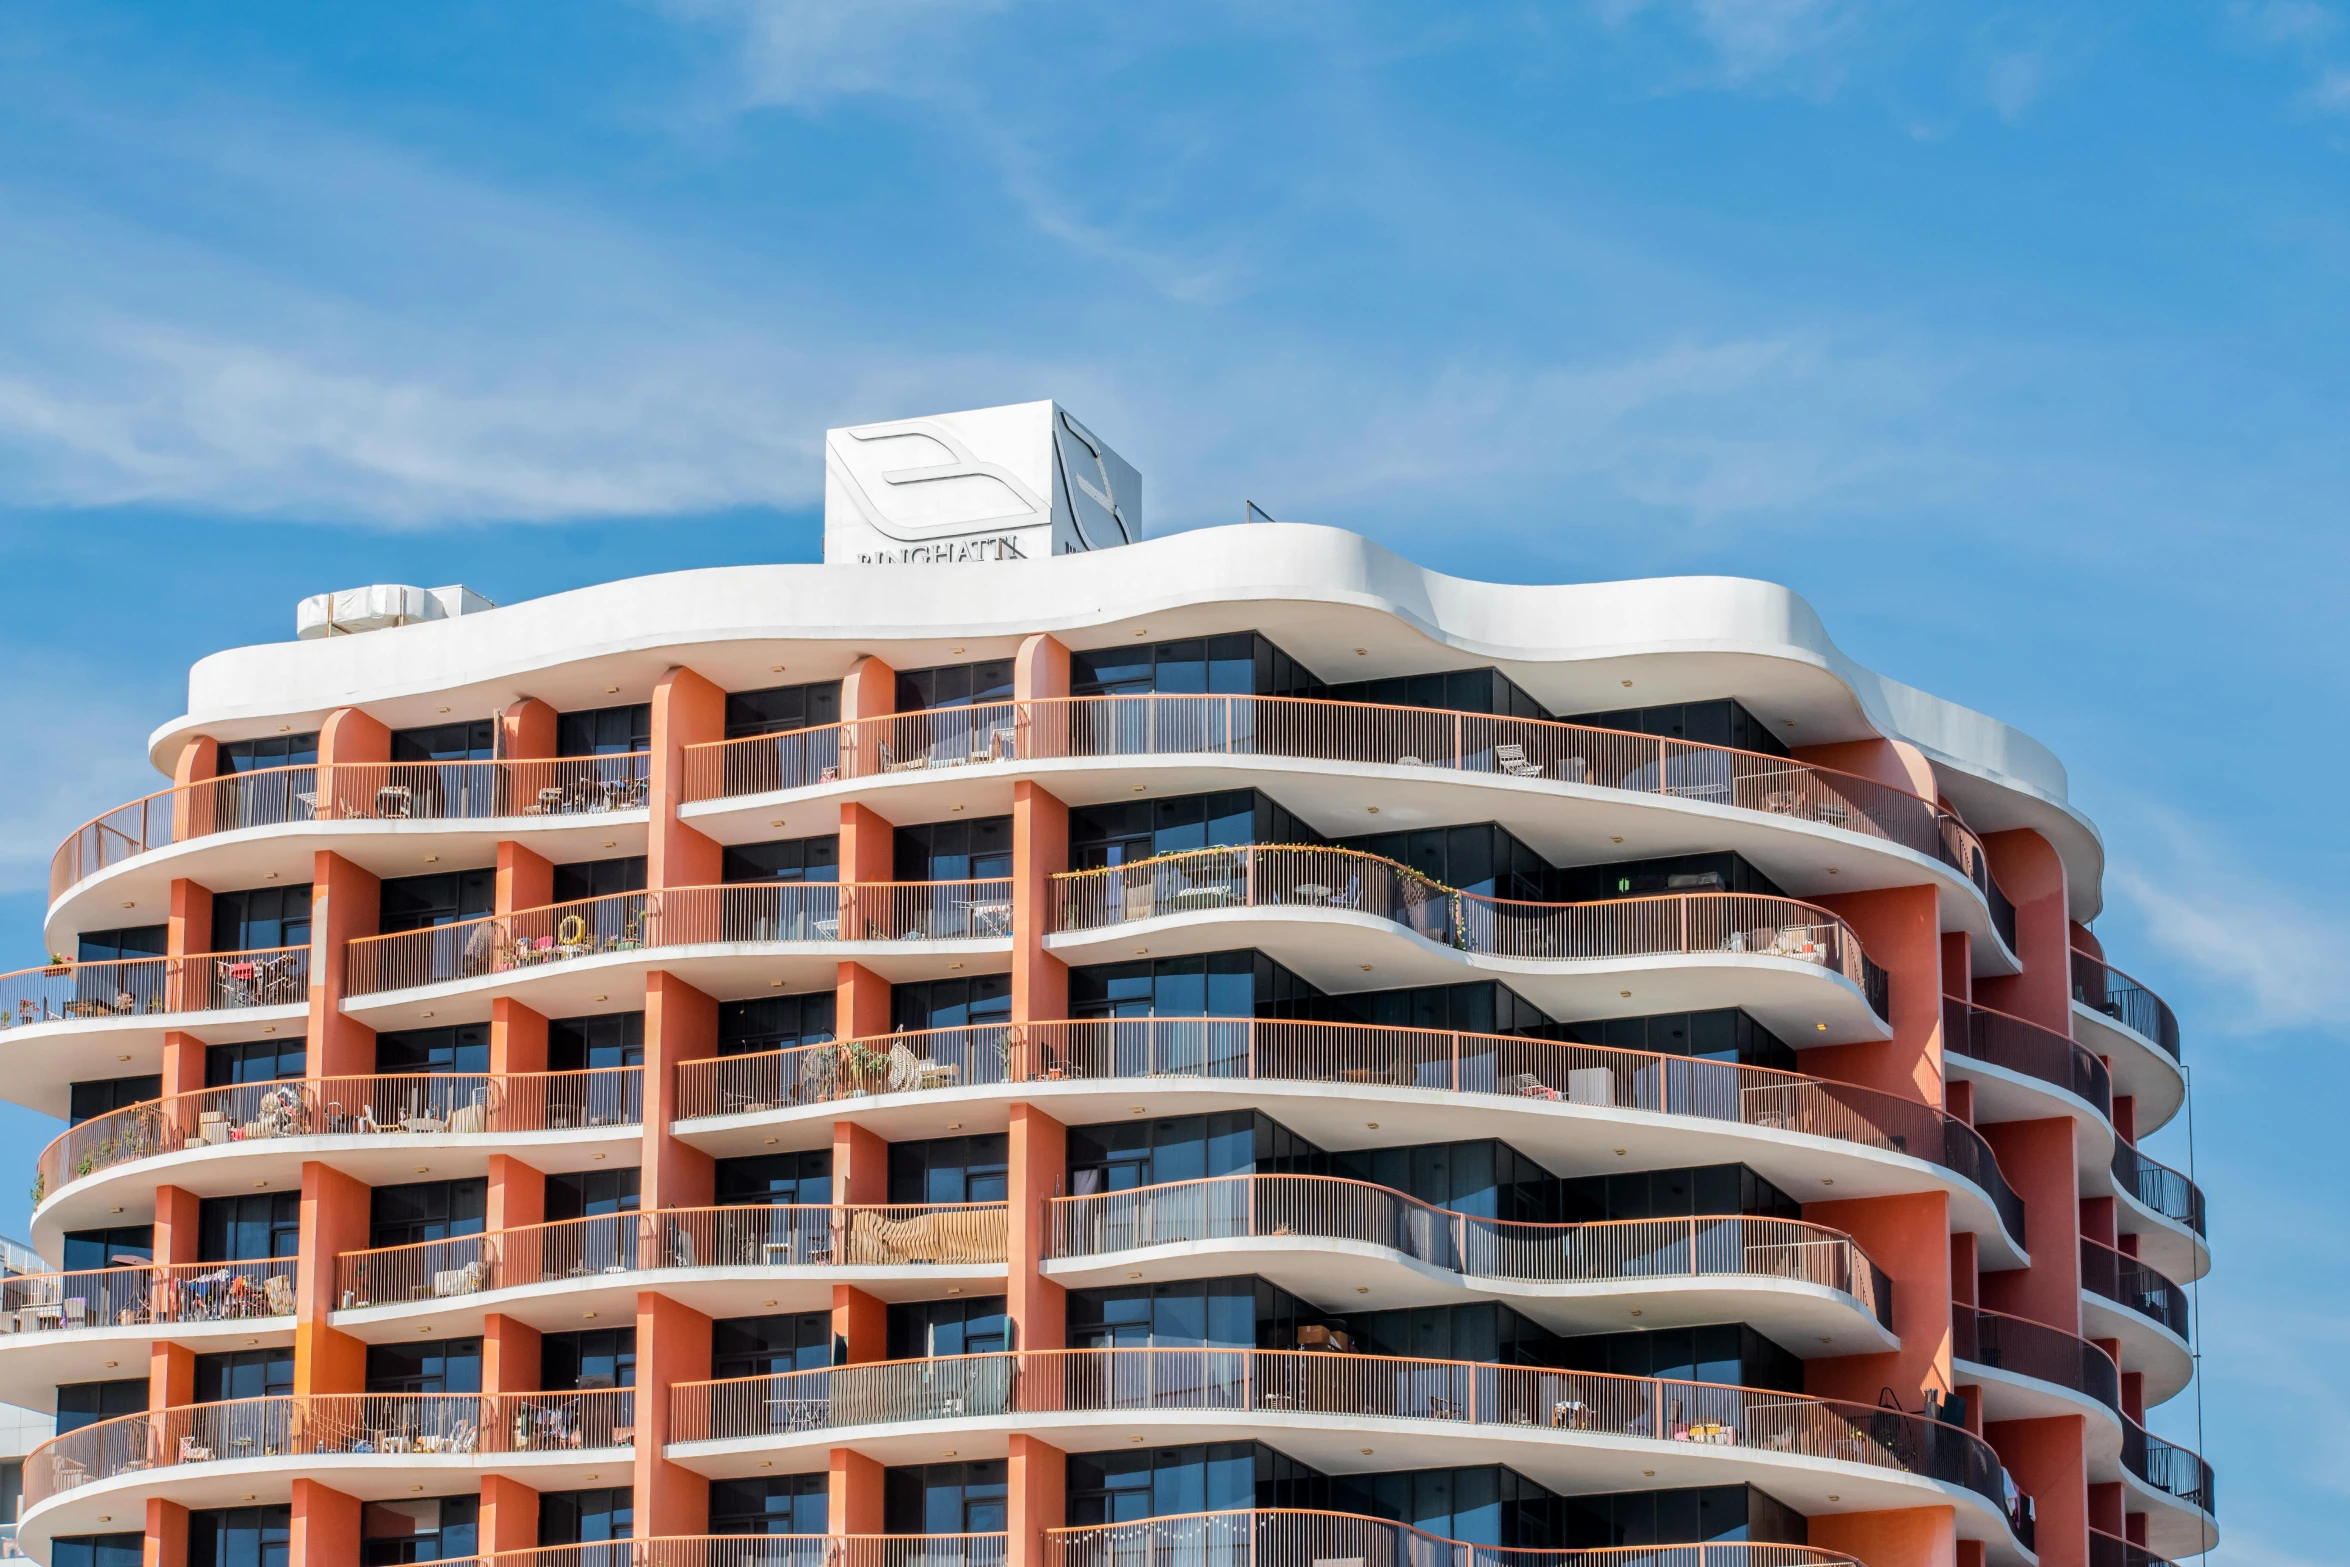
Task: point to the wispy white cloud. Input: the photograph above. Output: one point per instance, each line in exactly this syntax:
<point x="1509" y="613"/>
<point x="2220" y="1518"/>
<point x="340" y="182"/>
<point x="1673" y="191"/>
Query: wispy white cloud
<point x="2310" y="33"/>
<point x="1797" y="43"/>
<point x="803" y="53"/>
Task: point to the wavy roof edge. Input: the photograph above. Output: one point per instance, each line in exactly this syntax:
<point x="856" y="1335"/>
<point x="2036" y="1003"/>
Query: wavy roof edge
<point x="1566" y="643"/>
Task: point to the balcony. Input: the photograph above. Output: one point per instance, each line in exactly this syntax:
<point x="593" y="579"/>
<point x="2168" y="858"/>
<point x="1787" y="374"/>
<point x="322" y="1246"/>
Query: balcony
<point x="1528" y="1073"/>
<point x="2124" y="1298"/>
<point x="398" y="1110"/>
<point x="541" y="946"/>
<point x="1314" y="881"/>
<point x="2177" y="1474"/>
<point x="1975" y="1033"/>
<point x="356" y="792"/>
<point x="611" y="1251"/>
<point x="157" y="1295"/>
<point x="774" y="1550"/>
<point x="1546" y="1269"/>
<point x="1429" y="743"/>
<point x="2106" y="990"/>
<point x="1293" y="1536"/>
<point x="2024" y="1348"/>
<point x="452" y="1432"/>
<point x="2158" y="1188"/>
<point x="134" y="988"/>
<point x="1536" y="1415"/>
<point x="2111" y="1550"/>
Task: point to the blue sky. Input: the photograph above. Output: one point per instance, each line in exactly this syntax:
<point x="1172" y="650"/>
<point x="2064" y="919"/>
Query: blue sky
<point x="2013" y="337"/>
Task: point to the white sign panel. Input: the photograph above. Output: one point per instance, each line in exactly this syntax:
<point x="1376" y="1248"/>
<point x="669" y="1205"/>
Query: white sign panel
<point x="1021" y="482"/>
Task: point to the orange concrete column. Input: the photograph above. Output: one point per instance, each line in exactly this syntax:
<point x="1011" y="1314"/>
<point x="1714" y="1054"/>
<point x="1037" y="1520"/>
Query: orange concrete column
<point x="518" y="1195"/>
<point x="334" y="1221"/>
<point x="2046" y="1458"/>
<point x="2097" y="1220"/>
<point x="2039" y="1161"/>
<point x="860" y="1324"/>
<point x="2125" y="1111"/>
<point x="509" y="1355"/>
<point x="681" y="1024"/>
<point x="1909" y="1238"/>
<point x="188" y="926"/>
<point x="1958" y="965"/>
<point x="1965" y="1268"/>
<point x="509" y="1515"/>
<point x="860" y="1006"/>
<point x="1037" y="1497"/>
<point x="1907" y="1537"/>
<point x="852" y="1500"/>
<point x="183" y="1076"/>
<point x="687" y="710"/>
<point x="2105" y="1508"/>
<point x="1039" y="1157"/>
<point x="191" y="806"/>
<point x="167" y="1534"/>
<point x="526" y="731"/>
<point x="2028" y="870"/>
<point x="1900" y="927"/>
<point x="351" y="740"/>
<point x="177" y="1228"/>
<point x="869" y="690"/>
<point x="672" y="1346"/>
<point x="526" y="878"/>
<point x="171" y="1376"/>
<point x="860" y="1165"/>
<point x="345" y="902"/>
<point x="326" y="1527"/>
<point x="518" y="1038"/>
<point x="868" y="854"/>
<point x="1040" y="851"/>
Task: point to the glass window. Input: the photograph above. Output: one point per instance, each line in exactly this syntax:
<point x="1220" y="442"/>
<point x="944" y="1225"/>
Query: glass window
<point x="1708" y="1191"/>
<point x="774" y="1023"/>
<point x="579" y="1044"/>
<point x="951" y="1003"/>
<point x="781" y="1504"/>
<point x="771" y="1346"/>
<point x="463" y="1047"/>
<point x="1484" y="859"/>
<point x="255" y="1061"/>
<point x="1120" y="1155"/>
<point x="944" y="1498"/>
<point x="976" y="850"/>
<point x="599" y="878"/>
<point x="82" y="1404"/>
<point x="1229" y="1313"/>
<point x="249" y="1228"/>
<point x="785" y="859"/>
<point x="446" y="1366"/>
<point x="260" y="918"/>
<point x="109" y="1094"/>
<point x="426" y="1211"/>
<point x="1212" y="984"/>
<point x="1722" y="722"/>
<point x="1692" y="1516"/>
<point x="586" y="1517"/>
<point x="929" y="1329"/>
<point x="1729" y="1352"/>
<point x="776" y="1179"/>
<point x="245" y="1373"/>
<point x="1722" y="1034"/>
<point x="1122" y="1485"/>
<point x="240" y="1537"/>
<point x="121" y="1246"/>
<point x="475" y="740"/>
<point x="1235" y="664"/>
<point x="132" y="941"/>
<point x="951" y="1169"/>
<point x="1723" y="872"/>
<point x="605" y="731"/>
<point x="421" y="902"/>
<point x="588" y="1193"/>
<point x="90" y="1550"/>
<point x="779" y="709"/>
<point x="1119" y="834"/>
<point x="954" y="685"/>
<point x="252" y="756"/>
<point x="424" y="1529"/>
<point x="601" y="1358"/>
<point x="1481" y="1331"/>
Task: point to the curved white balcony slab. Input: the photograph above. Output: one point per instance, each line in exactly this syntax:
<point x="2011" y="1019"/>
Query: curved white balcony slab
<point x="1799" y="1001"/>
<point x="2164" y="1243"/>
<point x="44" y="1060"/>
<point x="2002" y="1094"/>
<point x="2166" y="1360"/>
<point x="730" y="970"/>
<point x="283" y="852"/>
<point x="2141" y="1069"/>
<point x="125" y="1193"/>
<point x="34" y="1364"/>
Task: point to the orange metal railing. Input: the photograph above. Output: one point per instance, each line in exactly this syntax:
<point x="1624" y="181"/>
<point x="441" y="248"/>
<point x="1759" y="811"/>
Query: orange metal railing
<point x="422" y="1104"/>
<point x="778" y="1550"/>
<point x="810" y="1404"/>
<point x="379" y="791"/>
<point x="1289" y="1050"/>
<point x="146" y="987"/>
<point x="1531" y="750"/>
<point x="484" y="1424"/>
<point x="1293" y="1537"/>
<point x="1239" y="1207"/>
<point x="147" y="1293"/>
<point x="680" y="916"/>
<point x="799" y="1235"/>
<point x="1282" y="876"/>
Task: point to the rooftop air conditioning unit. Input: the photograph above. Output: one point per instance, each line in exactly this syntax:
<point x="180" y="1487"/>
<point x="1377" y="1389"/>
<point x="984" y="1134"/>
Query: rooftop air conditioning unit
<point x="380" y="606"/>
